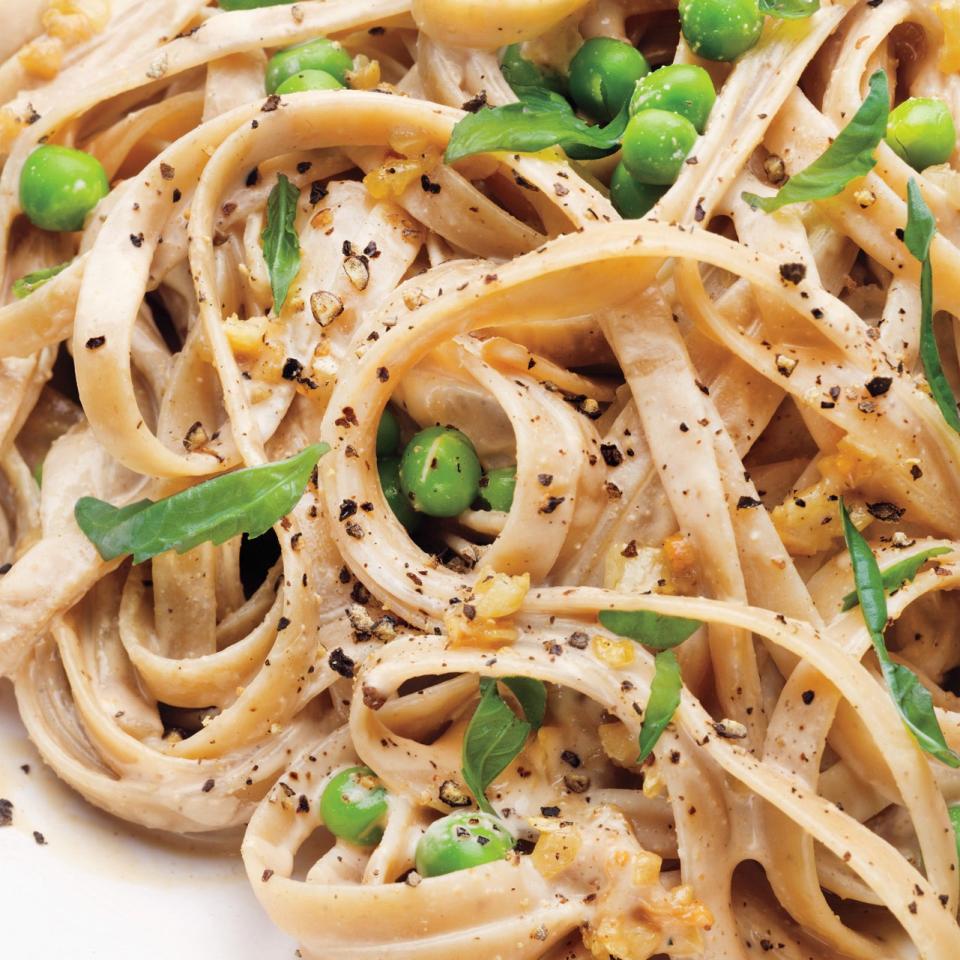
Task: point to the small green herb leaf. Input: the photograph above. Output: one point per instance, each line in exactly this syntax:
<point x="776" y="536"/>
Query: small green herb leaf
<point x="542" y="119"/>
<point x="954" y="812"/>
<point x="532" y="695"/>
<point x="33" y="281"/>
<point x="919" y="234"/>
<point x="663" y="702"/>
<point x="911" y="698"/>
<point x="651" y="629"/>
<point x="789" y="9"/>
<point x="849" y="157"/>
<point x="495" y="735"/>
<point x="281" y="245"/>
<point x="526" y="77"/>
<point x="246" y="501"/>
<point x="903" y="571"/>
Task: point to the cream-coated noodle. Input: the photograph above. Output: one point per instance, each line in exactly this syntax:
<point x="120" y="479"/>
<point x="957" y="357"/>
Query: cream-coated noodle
<point x="688" y="397"/>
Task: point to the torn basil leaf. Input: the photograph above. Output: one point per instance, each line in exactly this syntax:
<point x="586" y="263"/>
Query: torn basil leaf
<point x="664" y="700"/>
<point x="895" y="576"/>
<point x="532" y="696"/>
<point x="281" y="245"/>
<point x="912" y="699"/>
<point x="651" y="629"/>
<point x="33" y="281"/>
<point x="849" y="157"/>
<point x="250" y="500"/>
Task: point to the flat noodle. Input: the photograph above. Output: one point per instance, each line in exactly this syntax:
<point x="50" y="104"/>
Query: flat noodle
<point x="683" y="412"/>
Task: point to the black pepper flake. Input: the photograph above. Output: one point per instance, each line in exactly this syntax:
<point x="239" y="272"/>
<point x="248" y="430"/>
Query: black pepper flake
<point x="878" y="386"/>
<point x="354" y="530"/>
<point x="698" y="212"/>
<point x="524" y="847"/>
<point x="453" y="795"/>
<point x="253" y="177"/>
<point x="570" y="758"/>
<point x="317" y="192"/>
<point x="807" y="697"/>
<point x="684" y="428"/>
<point x="915" y="472"/>
<point x="748" y="503"/>
<point x="207" y="786"/>
<point x="303" y="166"/>
<point x="630" y="550"/>
<point x="888" y="512"/>
<point x="469" y="611"/>
<point x="6" y="812"/>
<point x="377" y="31"/>
<point x="371" y="251"/>
<point x="373" y="699"/>
<point x="177" y="195"/>
<point x="283" y="623"/>
<point x="136" y="239"/>
<point x="550" y="811"/>
<point x="900" y="235"/>
<point x="341" y="663"/>
<point x="358" y="593"/>
<point x="428" y="186"/>
<point x="266" y="875"/>
<point x="271" y="103"/>
<point x="292" y="369"/>
<point x="167" y="172"/>
<point x="347" y="509"/>
<point x="475" y="103"/>
<point x="303" y="804"/>
<point x="544" y="479"/>
<point x="94" y="343"/>
<point x="525" y="184"/>
<point x="611" y="454"/>
<point x="39" y="838"/>
<point x="551" y="504"/>
<point x="383" y="374"/>
<point x="793" y="272"/>
<point x="578" y="640"/>
<point x="816" y="313"/>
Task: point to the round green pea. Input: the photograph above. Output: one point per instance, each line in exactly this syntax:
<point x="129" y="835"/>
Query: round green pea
<point x="318" y="54"/>
<point x="655" y="144"/>
<point x="354" y="806"/>
<point x="720" y="29"/>
<point x="461" y="841"/>
<point x="59" y="186"/>
<point x="388" y="434"/>
<point x="603" y="73"/>
<point x="682" y="88"/>
<point x="309" y="80"/>
<point x="389" y="470"/>
<point x="921" y="132"/>
<point x="440" y="472"/>
<point x="250" y="4"/>
<point x="632" y="200"/>
<point x="497" y="487"/>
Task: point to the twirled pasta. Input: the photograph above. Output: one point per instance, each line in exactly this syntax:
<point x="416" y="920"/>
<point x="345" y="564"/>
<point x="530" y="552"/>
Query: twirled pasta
<point x="635" y="373"/>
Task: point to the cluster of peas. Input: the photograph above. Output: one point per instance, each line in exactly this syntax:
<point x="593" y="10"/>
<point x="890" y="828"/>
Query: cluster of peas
<point x="354" y="808"/>
<point x="669" y="107"/>
<point x="437" y="474"/>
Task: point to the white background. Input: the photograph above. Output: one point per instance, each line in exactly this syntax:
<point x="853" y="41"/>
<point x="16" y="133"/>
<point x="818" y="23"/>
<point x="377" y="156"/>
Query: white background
<point x="103" y="890"/>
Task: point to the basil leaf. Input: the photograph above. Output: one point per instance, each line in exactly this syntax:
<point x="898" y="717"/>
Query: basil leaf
<point x="542" y="119"/>
<point x="494" y="737"/>
<point x="919" y="234"/>
<point x="651" y="629"/>
<point x="912" y="699"/>
<point x="525" y="77"/>
<point x="954" y="812"/>
<point x="663" y="702"/>
<point x="248" y="501"/>
<point x="849" y="157"/>
<point x="281" y="245"/>
<point x="903" y="571"/>
<point x="532" y="695"/>
<point x="33" y="281"/>
<point x="789" y="9"/>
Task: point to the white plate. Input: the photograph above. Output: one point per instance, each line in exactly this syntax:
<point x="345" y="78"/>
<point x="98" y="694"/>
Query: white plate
<point x="99" y="889"/>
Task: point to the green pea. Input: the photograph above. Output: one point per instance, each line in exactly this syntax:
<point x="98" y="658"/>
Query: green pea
<point x="497" y="487"/>
<point x="682" y="88"/>
<point x="921" y="132"/>
<point x="354" y="806"/>
<point x="250" y="4"/>
<point x="461" y="841"/>
<point x="318" y="54"/>
<point x="632" y="200"/>
<point x="440" y="472"/>
<point x="655" y="144"/>
<point x="388" y="434"/>
<point x="389" y="470"/>
<point x="720" y="29"/>
<point x="309" y="80"/>
<point x="59" y="186"/>
<point x="603" y="73"/>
